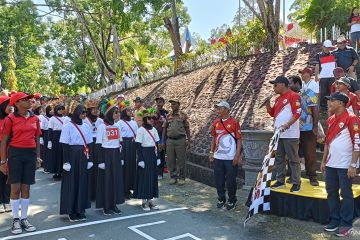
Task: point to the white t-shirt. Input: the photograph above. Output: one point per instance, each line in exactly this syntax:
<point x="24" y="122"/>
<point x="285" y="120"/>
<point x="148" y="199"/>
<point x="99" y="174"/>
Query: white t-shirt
<point x="143" y="137"/>
<point x="340" y="151"/>
<point x="70" y="135"/>
<point x="108" y="136"/>
<point x="125" y="130"/>
<point x="44" y="122"/>
<point x="283" y="118"/>
<point x="93" y="126"/>
<point x="56" y="123"/>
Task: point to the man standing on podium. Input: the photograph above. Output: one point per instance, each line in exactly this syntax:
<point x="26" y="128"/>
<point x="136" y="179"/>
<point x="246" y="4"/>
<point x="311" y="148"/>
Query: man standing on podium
<point x="341" y="154"/>
<point x="286" y="113"/>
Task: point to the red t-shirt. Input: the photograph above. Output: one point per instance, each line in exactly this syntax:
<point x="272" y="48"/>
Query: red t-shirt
<point x="23" y="130"/>
<point x="1" y="127"/>
<point x="353" y="103"/>
<point x="225" y="144"/>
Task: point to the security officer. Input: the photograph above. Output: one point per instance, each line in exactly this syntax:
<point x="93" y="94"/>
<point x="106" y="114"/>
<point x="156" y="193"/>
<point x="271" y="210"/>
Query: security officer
<point x="177" y="133"/>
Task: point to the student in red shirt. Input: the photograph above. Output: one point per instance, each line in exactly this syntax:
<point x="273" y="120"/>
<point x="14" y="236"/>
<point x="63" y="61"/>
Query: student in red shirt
<point x="226" y="152"/>
<point x="5" y="110"/>
<point x="23" y="157"/>
<point x="343" y="85"/>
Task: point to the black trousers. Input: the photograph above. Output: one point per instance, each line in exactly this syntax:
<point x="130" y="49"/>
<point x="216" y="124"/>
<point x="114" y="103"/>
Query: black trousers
<point x="225" y="173"/>
<point x="4" y="189"/>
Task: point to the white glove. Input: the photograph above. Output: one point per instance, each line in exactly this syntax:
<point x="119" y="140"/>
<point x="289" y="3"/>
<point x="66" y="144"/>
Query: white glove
<point x="90" y="165"/>
<point x="122" y="162"/>
<point x="49" y="146"/>
<point x="41" y="141"/>
<point x="101" y="166"/>
<point x="158" y="162"/>
<point x="67" y="167"/>
<point x="141" y="164"/>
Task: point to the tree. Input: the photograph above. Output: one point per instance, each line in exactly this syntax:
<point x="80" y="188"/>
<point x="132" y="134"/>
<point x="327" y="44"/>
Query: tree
<point x="269" y="15"/>
<point x="10" y="76"/>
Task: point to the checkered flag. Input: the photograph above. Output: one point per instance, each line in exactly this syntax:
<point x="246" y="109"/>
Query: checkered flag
<point x="259" y="196"/>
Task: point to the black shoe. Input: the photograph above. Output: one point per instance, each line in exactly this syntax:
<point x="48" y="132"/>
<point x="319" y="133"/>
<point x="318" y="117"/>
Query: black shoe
<point x="27" y="226"/>
<point x="278" y="185"/>
<point x="288" y="181"/>
<point x="73" y="218"/>
<point x="220" y="204"/>
<point x="314" y="182"/>
<point x="231" y="205"/>
<point x="331" y="227"/>
<point x="81" y="216"/>
<point x="116" y="210"/>
<point x="295" y="188"/>
<point x="16" y="227"/>
<point x="107" y="212"/>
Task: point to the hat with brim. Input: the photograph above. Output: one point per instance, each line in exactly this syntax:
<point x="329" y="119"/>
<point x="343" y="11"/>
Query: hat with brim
<point x="4" y="99"/>
<point x="138" y="99"/>
<point x="19" y="96"/>
<point x="174" y="101"/>
<point x="150" y="112"/>
<point x="306" y="70"/>
<point x="280" y="79"/>
<point x="328" y="44"/>
<point x="338" y="96"/>
<point x="223" y="104"/>
<point x="345" y="81"/>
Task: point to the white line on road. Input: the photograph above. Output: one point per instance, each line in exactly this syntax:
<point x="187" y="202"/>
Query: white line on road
<point x="135" y="229"/>
<point x="186" y="235"/>
<point x="92" y="223"/>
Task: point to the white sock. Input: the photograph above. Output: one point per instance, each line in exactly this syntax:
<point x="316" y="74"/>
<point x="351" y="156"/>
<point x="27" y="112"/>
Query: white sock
<point x="24" y="207"/>
<point x="15" y="207"/>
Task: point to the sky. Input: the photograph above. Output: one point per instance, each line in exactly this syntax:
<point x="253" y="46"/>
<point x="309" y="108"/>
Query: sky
<point x="209" y="14"/>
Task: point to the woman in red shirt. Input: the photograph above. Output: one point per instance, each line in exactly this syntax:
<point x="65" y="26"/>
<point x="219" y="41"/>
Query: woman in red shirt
<point x="5" y="110"/>
<point x="23" y="157"/>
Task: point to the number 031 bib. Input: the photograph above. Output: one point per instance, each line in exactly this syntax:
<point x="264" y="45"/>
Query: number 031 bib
<point x="112" y="133"/>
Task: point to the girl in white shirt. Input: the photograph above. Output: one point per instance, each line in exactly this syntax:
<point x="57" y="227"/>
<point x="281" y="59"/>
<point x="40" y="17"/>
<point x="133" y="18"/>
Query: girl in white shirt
<point x="147" y="139"/>
<point x="93" y="122"/>
<point x="110" y="182"/>
<point x="55" y="127"/>
<point x="128" y="129"/>
<point x="44" y="125"/>
<point x="75" y="137"/>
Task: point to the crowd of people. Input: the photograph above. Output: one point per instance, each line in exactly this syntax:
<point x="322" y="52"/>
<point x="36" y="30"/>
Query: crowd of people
<point x="103" y="151"/>
<point x="328" y="90"/>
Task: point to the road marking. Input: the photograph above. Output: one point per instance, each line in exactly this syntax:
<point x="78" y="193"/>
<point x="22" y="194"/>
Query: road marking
<point x="92" y="223"/>
<point x="134" y="228"/>
<point x="186" y="235"/>
<point x="148" y="237"/>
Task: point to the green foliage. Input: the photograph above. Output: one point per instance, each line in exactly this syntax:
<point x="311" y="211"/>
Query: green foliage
<point x="316" y="14"/>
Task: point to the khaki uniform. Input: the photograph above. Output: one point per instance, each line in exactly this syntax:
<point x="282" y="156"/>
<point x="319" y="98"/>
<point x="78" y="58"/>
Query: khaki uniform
<point x="176" y="125"/>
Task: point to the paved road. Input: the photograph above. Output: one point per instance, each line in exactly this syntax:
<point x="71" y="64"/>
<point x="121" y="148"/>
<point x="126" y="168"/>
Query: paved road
<point x="171" y="222"/>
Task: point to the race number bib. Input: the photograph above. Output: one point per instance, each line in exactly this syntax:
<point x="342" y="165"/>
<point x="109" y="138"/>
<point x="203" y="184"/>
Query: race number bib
<point x="112" y="133"/>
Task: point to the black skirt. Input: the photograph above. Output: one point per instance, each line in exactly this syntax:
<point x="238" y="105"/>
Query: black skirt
<point x="93" y="172"/>
<point x="74" y="197"/>
<point x="45" y="152"/>
<point x="147" y="178"/>
<point x="56" y="153"/>
<point x="129" y="150"/>
<point x="110" y="184"/>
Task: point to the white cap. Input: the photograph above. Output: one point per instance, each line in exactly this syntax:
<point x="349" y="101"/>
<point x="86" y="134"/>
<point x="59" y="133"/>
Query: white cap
<point x="327" y="44"/>
<point x="121" y="96"/>
<point x="224" y="104"/>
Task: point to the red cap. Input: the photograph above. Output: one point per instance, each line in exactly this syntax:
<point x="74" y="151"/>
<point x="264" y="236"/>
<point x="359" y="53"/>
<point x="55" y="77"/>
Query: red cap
<point x="3" y="99"/>
<point x="37" y="95"/>
<point x="338" y="71"/>
<point x="306" y="70"/>
<point x="18" y="96"/>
